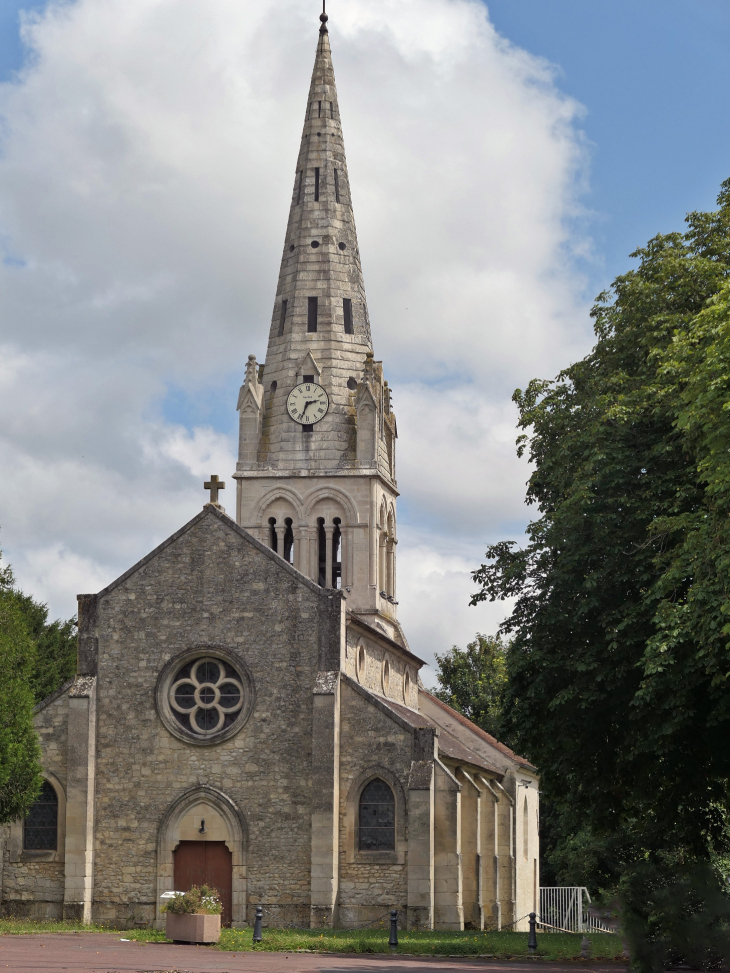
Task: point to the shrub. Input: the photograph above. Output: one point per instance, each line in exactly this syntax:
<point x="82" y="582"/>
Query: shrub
<point x="200" y="899"/>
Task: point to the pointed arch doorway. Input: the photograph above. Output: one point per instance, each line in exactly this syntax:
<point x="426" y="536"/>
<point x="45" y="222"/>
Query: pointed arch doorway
<point x="215" y="855"/>
<point x="205" y="863"/>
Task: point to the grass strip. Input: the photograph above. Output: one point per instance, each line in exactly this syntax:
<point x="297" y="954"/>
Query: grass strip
<point x="500" y="945"/>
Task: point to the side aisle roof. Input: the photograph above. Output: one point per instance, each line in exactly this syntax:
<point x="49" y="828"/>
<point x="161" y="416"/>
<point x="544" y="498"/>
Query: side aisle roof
<point x="470" y="735"/>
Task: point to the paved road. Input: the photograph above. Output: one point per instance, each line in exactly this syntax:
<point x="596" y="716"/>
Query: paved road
<point x="106" y="953"/>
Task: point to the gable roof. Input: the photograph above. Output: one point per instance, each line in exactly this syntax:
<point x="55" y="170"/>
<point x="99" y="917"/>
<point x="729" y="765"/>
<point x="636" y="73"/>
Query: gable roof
<point x="211" y="511"/>
<point x="479" y="732"/>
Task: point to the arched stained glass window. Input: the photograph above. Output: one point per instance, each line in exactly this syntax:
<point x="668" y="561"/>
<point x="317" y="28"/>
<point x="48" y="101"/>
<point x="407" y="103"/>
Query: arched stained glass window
<point x="377" y="817"/>
<point x="40" y="829"/>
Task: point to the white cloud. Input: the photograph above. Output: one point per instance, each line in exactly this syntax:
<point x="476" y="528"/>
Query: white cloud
<point x="433" y="608"/>
<point x="147" y="159"/>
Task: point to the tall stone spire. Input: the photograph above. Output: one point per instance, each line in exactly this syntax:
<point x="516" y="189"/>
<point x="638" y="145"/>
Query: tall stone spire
<point x="320" y="336"/>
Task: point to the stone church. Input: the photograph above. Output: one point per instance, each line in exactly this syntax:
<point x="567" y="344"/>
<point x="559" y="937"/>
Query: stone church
<point x="247" y="710"/>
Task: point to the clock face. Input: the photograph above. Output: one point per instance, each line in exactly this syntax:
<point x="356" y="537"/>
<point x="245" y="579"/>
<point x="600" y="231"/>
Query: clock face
<point x="307" y="403"/>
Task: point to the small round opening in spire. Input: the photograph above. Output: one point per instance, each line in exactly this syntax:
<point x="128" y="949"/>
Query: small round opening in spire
<point x="315" y="244"/>
<point x="342" y="246"/>
<point x="291" y="248"/>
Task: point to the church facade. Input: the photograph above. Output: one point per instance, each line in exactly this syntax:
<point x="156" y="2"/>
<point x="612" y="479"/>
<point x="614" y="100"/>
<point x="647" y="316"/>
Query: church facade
<point x="247" y="711"/>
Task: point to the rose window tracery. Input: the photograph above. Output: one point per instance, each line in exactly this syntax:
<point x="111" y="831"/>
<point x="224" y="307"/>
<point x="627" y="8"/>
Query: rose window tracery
<point x="206" y="696"/>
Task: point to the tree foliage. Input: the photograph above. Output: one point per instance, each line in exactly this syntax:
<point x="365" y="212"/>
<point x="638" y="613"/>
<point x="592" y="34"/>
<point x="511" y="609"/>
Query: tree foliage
<point x="474" y="681"/>
<point x="620" y="658"/>
<point x="20" y="769"/>
<point x="55" y="643"/>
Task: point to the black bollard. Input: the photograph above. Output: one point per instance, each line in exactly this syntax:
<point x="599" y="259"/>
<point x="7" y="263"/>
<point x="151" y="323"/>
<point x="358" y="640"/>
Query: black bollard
<point x="532" y="938"/>
<point x="393" y="941"/>
<point x="257" y="937"/>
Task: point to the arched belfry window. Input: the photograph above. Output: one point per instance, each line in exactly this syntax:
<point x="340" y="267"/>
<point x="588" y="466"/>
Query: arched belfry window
<point x="322" y="553"/>
<point x="272" y="535"/>
<point x="376" y="829"/>
<point x="337" y="554"/>
<point x="40" y="828"/>
<point x="289" y="541"/>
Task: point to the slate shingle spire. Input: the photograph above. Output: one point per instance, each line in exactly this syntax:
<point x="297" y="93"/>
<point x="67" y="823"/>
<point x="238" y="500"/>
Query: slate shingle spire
<point x="320" y="286"/>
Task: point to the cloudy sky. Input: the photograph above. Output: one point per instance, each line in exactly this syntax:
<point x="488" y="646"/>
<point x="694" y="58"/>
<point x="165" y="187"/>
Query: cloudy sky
<point x="502" y="168"/>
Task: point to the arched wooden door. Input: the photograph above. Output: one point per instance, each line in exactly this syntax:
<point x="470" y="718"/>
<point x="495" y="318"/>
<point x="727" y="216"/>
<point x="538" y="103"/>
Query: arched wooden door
<point x="206" y="863"/>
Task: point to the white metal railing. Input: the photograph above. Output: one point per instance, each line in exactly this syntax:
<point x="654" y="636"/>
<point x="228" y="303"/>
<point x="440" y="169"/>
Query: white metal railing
<point x="565" y="908"/>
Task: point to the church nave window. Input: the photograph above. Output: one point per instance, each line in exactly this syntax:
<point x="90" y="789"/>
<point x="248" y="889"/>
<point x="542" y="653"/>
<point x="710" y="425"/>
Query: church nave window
<point x="376" y="831"/>
<point x="40" y="828"/>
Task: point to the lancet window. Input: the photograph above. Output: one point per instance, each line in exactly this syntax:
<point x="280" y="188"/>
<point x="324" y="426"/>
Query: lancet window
<point x="40" y="828"/>
<point x="376" y="831"/>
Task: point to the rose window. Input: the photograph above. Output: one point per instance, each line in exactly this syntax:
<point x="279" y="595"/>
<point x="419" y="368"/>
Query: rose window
<point x="206" y="696"/>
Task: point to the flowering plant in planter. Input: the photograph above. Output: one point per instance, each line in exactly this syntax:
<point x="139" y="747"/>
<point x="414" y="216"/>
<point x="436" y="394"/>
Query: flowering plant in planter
<point x="194" y="916"/>
<point x="199" y="900"/>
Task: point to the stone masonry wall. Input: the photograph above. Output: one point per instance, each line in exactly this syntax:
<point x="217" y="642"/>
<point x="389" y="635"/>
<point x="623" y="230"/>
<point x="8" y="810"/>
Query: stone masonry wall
<point x="210" y="587"/>
<point x="368" y="739"/>
<point x="371" y="677"/>
<point x="32" y="883"/>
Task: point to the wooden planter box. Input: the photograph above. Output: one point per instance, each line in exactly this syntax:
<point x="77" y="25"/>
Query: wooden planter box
<point x="192" y="927"/>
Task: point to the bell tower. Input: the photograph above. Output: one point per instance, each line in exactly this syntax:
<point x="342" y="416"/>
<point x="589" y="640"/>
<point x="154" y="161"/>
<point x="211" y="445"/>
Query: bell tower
<point x="316" y="462"/>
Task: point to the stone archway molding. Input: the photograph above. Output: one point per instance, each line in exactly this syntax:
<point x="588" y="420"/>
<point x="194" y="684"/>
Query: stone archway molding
<point x="271" y="496"/>
<point x="15" y="838"/>
<point x="237" y="842"/>
<point x="330" y="492"/>
<point x="352" y="853"/>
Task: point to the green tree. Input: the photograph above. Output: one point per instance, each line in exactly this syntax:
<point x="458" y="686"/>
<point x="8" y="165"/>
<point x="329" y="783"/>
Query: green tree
<point x="55" y="642"/>
<point x="620" y="656"/>
<point x="474" y="681"/>
<point x="20" y="768"/>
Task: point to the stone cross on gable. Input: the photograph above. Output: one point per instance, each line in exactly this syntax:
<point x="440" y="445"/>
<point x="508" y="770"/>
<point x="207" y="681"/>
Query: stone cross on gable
<point x="214" y="485"/>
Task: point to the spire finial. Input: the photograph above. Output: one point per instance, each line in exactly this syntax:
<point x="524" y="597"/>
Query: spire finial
<point x="324" y="18"/>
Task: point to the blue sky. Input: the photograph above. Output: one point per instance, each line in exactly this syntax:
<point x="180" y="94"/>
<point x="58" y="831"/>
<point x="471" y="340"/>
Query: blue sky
<point x="654" y="77"/>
